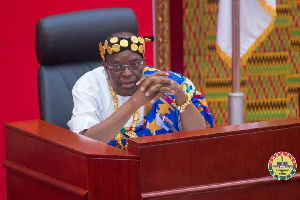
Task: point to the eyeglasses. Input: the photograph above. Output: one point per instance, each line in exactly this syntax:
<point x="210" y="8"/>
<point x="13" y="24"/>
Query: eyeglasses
<point x="118" y="67"/>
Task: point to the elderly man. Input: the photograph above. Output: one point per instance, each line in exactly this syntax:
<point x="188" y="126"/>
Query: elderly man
<point x="127" y="99"/>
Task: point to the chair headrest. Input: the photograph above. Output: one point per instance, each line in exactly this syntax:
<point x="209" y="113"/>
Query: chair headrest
<point x="75" y="36"/>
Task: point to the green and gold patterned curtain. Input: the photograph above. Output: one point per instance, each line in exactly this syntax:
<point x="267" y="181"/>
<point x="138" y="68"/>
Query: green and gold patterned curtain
<point x="269" y="79"/>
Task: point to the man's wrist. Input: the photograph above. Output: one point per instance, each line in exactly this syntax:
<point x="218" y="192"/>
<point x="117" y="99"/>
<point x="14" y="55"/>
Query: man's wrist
<point x="180" y="95"/>
<point x="181" y="99"/>
<point x="134" y="102"/>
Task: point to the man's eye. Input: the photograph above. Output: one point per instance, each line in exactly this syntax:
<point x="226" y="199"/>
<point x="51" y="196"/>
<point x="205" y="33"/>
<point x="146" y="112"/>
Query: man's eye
<point x="137" y="63"/>
<point x="134" y="64"/>
<point x="117" y="66"/>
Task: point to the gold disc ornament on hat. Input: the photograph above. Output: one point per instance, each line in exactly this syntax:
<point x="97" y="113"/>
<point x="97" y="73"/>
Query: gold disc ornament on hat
<point x="148" y="39"/>
<point x="109" y="51"/>
<point x="116" y="48"/>
<point x="141" y="40"/>
<point x="101" y="48"/>
<point x="114" y="40"/>
<point x="134" y="39"/>
<point x="124" y="43"/>
<point x="134" y="47"/>
<point x="141" y="48"/>
<point x="102" y="56"/>
<point x="105" y="44"/>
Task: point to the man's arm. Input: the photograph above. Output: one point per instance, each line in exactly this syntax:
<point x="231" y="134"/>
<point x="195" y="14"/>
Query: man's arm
<point x="191" y="118"/>
<point x="106" y="130"/>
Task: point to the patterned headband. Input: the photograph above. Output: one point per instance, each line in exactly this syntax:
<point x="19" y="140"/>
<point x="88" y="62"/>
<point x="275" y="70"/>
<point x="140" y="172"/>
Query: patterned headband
<point x="118" y="44"/>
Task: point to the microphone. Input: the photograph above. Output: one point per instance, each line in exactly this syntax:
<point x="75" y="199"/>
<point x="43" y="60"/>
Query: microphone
<point x="165" y="119"/>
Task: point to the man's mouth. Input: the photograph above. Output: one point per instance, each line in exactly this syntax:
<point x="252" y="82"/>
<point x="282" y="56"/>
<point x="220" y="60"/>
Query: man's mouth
<point x="128" y="85"/>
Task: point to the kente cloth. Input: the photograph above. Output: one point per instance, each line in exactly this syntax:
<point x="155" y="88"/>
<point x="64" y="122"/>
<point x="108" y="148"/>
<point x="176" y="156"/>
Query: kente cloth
<point x="153" y="124"/>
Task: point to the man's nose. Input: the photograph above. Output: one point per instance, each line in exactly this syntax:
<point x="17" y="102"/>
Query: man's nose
<point x="126" y="71"/>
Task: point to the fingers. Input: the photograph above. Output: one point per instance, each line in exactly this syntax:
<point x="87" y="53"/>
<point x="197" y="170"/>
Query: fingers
<point x="158" y="88"/>
<point x="154" y="82"/>
<point x="158" y="73"/>
<point x="141" y="80"/>
<point x="161" y="73"/>
<point x="159" y="95"/>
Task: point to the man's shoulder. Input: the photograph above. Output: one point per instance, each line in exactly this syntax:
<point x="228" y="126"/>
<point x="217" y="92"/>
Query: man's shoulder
<point x="99" y="71"/>
<point x="93" y="75"/>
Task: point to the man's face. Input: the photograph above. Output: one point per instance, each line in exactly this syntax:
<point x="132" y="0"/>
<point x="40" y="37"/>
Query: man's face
<point x="124" y="82"/>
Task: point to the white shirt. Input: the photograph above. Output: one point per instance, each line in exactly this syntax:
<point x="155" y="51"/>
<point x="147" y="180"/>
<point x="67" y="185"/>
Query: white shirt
<point x="93" y="102"/>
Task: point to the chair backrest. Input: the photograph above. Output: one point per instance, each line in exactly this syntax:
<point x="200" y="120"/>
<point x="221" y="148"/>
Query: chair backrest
<point x="67" y="46"/>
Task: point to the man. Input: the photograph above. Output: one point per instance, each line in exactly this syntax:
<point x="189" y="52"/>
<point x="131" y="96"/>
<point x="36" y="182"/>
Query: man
<point x="127" y="99"/>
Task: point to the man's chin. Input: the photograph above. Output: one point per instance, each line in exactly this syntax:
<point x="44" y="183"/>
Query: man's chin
<point x="125" y="91"/>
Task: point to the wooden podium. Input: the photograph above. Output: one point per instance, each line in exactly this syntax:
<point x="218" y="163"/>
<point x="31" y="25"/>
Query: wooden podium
<point x="44" y="162"/>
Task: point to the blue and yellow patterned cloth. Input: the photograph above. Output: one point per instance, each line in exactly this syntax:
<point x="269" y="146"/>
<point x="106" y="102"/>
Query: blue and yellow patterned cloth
<point x="153" y="124"/>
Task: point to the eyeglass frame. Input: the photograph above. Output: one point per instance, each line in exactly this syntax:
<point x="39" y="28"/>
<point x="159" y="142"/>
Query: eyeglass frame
<point x="129" y="66"/>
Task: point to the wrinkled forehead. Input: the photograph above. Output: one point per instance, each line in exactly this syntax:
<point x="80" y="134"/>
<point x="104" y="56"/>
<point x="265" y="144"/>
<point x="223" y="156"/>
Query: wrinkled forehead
<point x="126" y="56"/>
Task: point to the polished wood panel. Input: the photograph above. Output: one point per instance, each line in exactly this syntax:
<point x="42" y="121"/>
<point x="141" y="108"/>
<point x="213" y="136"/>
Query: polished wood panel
<point x="50" y="162"/>
<point x="21" y="174"/>
<point x="44" y="161"/>
<point x="245" y="189"/>
<point x="213" y="156"/>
